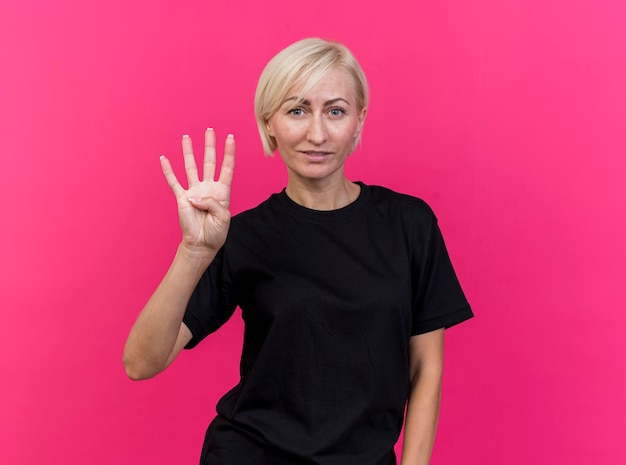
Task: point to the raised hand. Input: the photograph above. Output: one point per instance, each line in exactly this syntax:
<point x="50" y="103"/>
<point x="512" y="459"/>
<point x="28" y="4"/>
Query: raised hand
<point x="203" y="206"/>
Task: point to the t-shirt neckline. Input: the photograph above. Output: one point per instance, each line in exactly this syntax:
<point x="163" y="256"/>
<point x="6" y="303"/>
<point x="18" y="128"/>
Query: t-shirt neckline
<point x="340" y="214"/>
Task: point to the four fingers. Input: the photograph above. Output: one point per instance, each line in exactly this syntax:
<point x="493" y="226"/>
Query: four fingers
<point x="226" y="172"/>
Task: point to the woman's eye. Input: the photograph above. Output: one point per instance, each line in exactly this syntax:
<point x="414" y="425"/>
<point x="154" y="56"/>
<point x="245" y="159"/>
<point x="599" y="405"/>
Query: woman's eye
<point x="296" y="112"/>
<point x="336" y="112"/>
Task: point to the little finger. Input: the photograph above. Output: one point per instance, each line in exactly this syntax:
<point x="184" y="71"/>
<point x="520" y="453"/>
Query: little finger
<point x="172" y="181"/>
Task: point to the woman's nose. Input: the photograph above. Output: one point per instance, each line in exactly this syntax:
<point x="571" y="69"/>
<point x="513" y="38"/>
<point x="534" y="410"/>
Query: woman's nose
<point x="316" y="133"/>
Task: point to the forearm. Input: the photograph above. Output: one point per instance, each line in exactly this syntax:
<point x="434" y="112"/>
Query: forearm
<point x="425" y="372"/>
<point x="421" y="419"/>
<point x="154" y="334"/>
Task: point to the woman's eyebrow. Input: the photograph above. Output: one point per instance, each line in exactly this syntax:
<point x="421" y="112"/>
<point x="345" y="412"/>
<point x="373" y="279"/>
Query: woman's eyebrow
<point x="326" y="103"/>
<point x="335" y="100"/>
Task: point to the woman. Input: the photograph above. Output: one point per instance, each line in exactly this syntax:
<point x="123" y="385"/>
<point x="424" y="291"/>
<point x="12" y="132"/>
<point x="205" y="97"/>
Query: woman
<point x="345" y="289"/>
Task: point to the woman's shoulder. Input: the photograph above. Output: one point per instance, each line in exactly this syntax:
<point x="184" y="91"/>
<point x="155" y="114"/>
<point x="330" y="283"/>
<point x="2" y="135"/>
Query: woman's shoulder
<point x="398" y="202"/>
<point x="261" y="212"/>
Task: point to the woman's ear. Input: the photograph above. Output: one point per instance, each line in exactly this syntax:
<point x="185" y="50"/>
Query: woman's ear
<point x="359" y="128"/>
<point x="361" y="118"/>
<point x="268" y="128"/>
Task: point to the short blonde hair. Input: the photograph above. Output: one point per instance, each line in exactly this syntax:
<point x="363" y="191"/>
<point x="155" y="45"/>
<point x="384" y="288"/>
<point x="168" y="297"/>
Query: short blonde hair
<point x="302" y="64"/>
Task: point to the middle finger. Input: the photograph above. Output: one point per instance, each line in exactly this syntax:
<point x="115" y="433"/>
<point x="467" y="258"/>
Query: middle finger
<point x="209" y="155"/>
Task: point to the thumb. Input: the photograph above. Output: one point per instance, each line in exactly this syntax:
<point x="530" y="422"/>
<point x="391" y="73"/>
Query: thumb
<point x="210" y="205"/>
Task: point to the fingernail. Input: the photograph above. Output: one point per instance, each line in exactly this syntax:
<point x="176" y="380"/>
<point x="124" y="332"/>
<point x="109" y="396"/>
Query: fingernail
<point x="195" y="199"/>
<point x="185" y="135"/>
<point x="230" y="136"/>
<point x="209" y="129"/>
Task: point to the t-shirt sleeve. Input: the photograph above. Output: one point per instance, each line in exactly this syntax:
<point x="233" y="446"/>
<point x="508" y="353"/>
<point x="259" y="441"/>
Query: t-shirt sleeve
<point x="211" y="303"/>
<point x="439" y="301"/>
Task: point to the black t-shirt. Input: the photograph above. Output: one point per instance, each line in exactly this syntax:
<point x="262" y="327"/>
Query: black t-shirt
<point x="330" y="300"/>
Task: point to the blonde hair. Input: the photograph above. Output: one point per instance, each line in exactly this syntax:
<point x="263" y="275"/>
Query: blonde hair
<point x="302" y="64"/>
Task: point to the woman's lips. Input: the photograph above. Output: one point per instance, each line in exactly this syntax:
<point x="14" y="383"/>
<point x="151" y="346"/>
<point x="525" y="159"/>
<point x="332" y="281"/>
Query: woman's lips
<point x="315" y="155"/>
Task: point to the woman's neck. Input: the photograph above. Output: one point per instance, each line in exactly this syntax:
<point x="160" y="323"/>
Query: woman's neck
<point x="323" y="196"/>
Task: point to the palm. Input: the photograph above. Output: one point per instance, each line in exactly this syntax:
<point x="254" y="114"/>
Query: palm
<point x="203" y="206"/>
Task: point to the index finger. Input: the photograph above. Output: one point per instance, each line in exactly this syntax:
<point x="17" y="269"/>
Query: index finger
<point x="228" y="164"/>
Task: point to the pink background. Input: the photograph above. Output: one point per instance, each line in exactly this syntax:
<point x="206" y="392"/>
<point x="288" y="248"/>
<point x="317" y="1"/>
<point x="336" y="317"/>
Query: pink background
<point x="508" y="117"/>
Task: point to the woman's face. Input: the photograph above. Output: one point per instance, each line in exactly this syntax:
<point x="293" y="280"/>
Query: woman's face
<point x="315" y="138"/>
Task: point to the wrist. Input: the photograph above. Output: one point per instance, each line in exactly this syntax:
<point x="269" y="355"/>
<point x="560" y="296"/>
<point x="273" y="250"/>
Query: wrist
<point x="199" y="255"/>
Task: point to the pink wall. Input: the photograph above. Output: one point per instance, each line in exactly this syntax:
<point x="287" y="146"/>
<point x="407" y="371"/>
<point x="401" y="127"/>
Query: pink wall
<point x="507" y="116"/>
